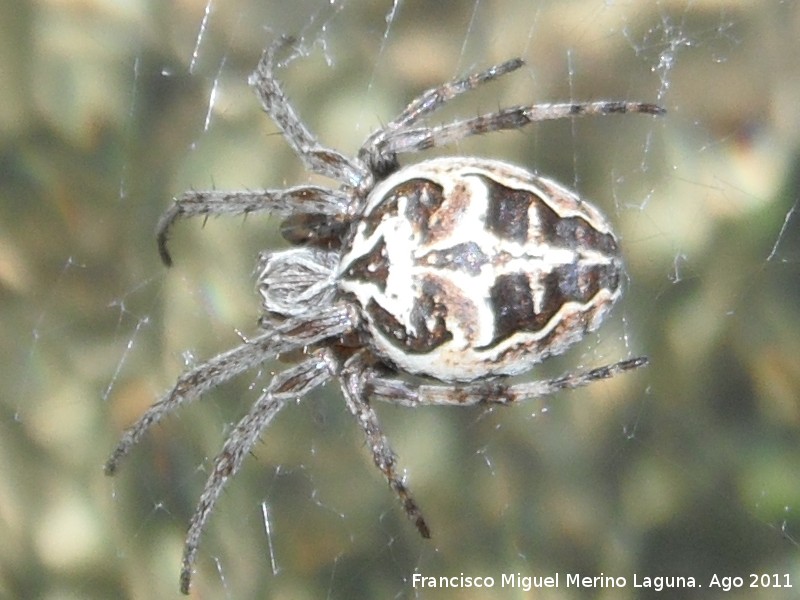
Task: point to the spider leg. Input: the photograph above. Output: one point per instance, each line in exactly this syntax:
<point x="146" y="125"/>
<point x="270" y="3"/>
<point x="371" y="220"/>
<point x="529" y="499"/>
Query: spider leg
<point x="291" y="201"/>
<point x="354" y="378"/>
<point x="493" y="391"/>
<point x="287" y="385"/>
<point x="320" y="159"/>
<point x="291" y="334"/>
<point x="434" y="98"/>
<point x="406" y="140"/>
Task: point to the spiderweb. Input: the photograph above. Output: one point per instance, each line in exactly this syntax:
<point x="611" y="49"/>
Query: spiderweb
<point x="687" y="469"/>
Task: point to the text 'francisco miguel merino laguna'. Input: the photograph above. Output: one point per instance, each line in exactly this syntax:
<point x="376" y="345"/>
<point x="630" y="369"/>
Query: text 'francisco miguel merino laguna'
<point x="570" y="580"/>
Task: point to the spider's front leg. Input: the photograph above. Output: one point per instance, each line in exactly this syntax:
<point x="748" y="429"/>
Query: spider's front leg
<point x="305" y="200"/>
<point x="316" y="157"/>
<point x="354" y="381"/>
<point x="287" y="385"/>
<point x="293" y="333"/>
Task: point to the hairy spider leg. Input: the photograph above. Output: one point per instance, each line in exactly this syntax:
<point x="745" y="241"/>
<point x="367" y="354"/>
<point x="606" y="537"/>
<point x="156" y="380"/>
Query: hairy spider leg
<point x="423" y="138"/>
<point x="291" y="201"/>
<point x="434" y="98"/>
<point x="291" y="334"/>
<point x="316" y="157"/>
<point x="293" y="383"/>
<point x="496" y="391"/>
<point x="354" y="378"/>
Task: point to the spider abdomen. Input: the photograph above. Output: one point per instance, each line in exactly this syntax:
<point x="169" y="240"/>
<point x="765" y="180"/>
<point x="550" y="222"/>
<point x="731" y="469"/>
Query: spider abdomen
<point x="466" y="268"/>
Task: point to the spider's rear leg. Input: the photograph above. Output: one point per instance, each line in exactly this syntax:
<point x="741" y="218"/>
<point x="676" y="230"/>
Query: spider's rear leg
<point x="405" y="140"/>
<point x="423" y="105"/>
<point x="353" y="379"/>
<point x="495" y="391"/>
<point x="434" y="98"/>
<point x="297" y="200"/>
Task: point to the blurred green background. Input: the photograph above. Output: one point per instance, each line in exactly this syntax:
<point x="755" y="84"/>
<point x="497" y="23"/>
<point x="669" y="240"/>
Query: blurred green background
<point x="688" y="468"/>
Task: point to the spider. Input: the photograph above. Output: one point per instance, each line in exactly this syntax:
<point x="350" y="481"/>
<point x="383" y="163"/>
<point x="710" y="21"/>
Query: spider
<point x="429" y="284"/>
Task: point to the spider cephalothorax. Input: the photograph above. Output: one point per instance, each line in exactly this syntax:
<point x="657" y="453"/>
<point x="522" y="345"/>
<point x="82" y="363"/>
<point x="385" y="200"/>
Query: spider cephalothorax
<point x="462" y="271"/>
